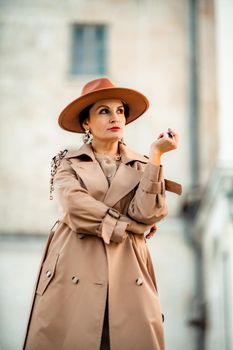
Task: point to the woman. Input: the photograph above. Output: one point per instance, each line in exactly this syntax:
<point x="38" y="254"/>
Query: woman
<point x="96" y="288"/>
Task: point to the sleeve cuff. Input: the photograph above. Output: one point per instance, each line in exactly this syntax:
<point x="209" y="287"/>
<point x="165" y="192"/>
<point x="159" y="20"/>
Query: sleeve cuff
<point x="153" y="180"/>
<point x="113" y="227"/>
<point x="153" y="172"/>
<point x="107" y="227"/>
<point x="119" y="232"/>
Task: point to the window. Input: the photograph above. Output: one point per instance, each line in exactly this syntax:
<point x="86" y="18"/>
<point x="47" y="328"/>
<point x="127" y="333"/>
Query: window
<point x="88" y="49"/>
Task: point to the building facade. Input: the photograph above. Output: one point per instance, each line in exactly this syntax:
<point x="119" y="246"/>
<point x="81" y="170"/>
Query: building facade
<point x="167" y="50"/>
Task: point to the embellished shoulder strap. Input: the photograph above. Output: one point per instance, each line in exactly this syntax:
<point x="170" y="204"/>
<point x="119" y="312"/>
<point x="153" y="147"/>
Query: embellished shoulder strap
<point x="55" y="163"/>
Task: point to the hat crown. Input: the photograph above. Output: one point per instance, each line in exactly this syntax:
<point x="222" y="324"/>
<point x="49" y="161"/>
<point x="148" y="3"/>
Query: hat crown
<point x="97" y="84"/>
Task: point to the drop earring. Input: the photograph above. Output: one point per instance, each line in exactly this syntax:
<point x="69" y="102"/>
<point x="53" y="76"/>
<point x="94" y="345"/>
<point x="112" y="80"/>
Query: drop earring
<point x="87" y="137"/>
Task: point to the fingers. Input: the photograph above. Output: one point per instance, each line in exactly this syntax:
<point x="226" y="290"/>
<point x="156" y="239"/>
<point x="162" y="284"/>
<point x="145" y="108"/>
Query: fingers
<point x="153" y="229"/>
<point x="170" y="133"/>
<point x="175" y="136"/>
<point x="165" y="142"/>
<point x="161" y="135"/>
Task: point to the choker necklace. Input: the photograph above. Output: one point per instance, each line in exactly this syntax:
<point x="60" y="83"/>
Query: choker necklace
<point x="117" y="156"/>
<point x="114" y="156"/>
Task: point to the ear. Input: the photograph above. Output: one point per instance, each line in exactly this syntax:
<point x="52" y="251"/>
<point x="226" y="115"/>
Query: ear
<point x="85" y="124"/>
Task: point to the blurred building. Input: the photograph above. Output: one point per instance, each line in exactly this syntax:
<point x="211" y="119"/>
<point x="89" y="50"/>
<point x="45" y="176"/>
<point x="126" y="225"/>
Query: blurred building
<point x="211" y="215"/>
<point x="179" y="54"/>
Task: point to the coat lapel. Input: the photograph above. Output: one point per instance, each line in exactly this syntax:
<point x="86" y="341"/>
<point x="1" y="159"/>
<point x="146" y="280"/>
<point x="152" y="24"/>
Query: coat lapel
<point x="126" y="178"/>
<point x="124" y="181"/>
<point x="93" y="178"/>
<point x="89" y="170"/>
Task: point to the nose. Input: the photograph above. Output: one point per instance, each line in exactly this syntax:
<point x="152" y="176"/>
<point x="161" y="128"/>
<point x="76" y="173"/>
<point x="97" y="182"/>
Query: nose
<point x="114" y="117"/>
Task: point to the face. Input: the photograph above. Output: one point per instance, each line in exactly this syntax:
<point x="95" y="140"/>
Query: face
<point x="106" y="120"/>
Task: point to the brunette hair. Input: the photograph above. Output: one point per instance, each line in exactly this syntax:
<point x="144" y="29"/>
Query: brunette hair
<point x="84" y="114"/>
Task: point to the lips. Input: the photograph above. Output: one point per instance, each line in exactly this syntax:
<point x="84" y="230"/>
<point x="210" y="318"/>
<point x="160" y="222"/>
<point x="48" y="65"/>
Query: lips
<point x="115" y="128"/>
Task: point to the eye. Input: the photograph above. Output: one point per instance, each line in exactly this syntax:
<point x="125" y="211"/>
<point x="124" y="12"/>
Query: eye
<point x="104" y="111"/>
<point x="121" y="110"/>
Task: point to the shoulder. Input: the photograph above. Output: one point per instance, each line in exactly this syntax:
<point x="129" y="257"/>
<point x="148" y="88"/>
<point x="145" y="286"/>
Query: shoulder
<point x="64" y="158"/>
<point x="84" y="150"/>
<point x="130" y="156"/>
<point x="55" y="163"/>
<point x="60" y="155"/>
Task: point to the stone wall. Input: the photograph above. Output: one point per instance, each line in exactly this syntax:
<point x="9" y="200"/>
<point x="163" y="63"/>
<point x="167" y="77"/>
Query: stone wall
<point x="146" y="51"/>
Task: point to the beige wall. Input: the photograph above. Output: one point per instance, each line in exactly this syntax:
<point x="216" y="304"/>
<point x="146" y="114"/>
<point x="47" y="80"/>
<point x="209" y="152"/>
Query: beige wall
<point x="208" y="107"/>
<point x="147" y="51"/>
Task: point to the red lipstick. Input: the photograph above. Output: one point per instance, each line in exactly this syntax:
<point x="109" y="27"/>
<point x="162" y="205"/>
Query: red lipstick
<point x="114" y="128"/>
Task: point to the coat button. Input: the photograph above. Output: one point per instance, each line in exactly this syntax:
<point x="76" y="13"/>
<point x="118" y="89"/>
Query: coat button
<point x="48" y="273"/>
<point x="139" y="281"/>
<point x="75" y="280"/>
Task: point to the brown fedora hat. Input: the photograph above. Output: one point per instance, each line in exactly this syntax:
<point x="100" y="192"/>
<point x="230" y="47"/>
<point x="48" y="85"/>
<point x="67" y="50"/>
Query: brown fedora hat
<point x="100" y="89"/>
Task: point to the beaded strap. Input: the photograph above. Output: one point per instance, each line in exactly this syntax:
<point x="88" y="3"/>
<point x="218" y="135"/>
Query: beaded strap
<point x="55" y="163"/>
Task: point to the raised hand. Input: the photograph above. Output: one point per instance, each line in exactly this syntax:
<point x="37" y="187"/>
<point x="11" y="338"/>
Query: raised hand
<point x="165" y="142"/>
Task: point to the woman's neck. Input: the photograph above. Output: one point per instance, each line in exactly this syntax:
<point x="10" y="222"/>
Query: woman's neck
<point x="109" y="148"/>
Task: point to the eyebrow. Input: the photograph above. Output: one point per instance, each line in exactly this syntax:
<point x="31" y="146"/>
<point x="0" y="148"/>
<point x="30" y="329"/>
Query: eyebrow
<point x="108" y="106"/>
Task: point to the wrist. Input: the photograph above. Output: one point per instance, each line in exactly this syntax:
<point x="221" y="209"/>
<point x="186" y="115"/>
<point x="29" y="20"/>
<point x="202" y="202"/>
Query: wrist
<point x="155" y="158"/>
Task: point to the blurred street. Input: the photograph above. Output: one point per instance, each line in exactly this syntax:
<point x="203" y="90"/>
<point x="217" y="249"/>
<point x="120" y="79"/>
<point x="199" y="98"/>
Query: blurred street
<point x="19" y="261"/>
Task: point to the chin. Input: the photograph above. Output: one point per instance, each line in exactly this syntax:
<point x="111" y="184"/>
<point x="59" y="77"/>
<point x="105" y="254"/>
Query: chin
<point x="113" y="138"/>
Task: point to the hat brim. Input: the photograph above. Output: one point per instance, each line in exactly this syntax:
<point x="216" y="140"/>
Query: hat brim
<point x="137" y="103"/>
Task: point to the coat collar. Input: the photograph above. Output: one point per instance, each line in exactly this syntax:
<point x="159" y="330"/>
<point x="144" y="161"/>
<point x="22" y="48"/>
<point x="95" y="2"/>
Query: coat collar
<point x="85" y="152"/>
<point x="126" y="176"/>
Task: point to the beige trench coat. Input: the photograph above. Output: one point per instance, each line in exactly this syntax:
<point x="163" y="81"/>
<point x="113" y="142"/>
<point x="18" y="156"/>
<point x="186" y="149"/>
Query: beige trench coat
<point x="97" y="247"/>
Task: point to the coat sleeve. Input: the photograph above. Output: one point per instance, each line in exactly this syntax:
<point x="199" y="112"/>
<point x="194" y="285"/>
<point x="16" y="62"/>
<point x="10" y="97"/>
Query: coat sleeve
<point x="83" y="213"/>
<point x="149" y="203"/>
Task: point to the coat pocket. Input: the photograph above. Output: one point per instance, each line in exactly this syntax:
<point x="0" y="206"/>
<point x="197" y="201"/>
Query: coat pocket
<point x="47" y="273"/>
